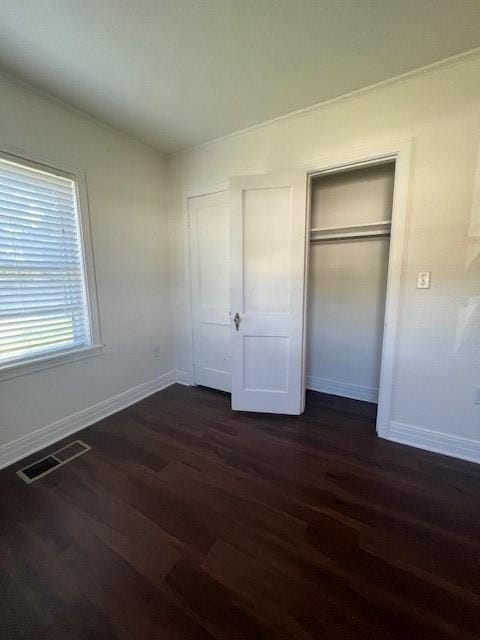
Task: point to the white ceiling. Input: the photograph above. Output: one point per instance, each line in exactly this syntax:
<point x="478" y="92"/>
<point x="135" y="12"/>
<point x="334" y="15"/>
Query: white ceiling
<point x="178" y="72"/>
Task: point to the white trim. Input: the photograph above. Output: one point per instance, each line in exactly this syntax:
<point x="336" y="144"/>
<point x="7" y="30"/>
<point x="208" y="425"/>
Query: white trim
<point x="32" y="442"/>
<point x="361" y="155"/>
<point x="47" y="361"/>
<point x="183" y="377"/>
<point x="206" y="191"/>
<point x="85" y="227"/>
<point x="474" y="230"/>
<point x="396" y="268"/>
<point x="404" y="77"/>
<point x="187" y="195"/>
<point x="344" y="389"/>
<point x="400" y="152"/>
<point x="436" y="441"/>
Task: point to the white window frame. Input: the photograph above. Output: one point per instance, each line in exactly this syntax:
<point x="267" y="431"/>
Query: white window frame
<point x="63" y="356"/>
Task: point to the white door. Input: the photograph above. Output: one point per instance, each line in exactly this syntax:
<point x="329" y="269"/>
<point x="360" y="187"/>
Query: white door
<point x="268" y="229"/>
<point x="210" y="271"/>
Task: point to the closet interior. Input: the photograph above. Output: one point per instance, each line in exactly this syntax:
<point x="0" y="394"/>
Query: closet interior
<point x="350" y="221"/>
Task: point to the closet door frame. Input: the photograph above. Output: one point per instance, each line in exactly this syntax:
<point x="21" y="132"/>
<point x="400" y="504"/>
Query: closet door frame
<point x="400" y="153"/>
<point x="187" y="377"/>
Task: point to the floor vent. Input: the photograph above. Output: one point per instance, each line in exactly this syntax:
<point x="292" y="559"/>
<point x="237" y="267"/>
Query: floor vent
<point x="53" y="461"/>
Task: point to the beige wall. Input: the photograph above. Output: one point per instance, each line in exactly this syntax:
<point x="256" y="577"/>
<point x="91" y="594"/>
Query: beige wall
<point x="125" y="182"/>
<point x="437" y="367"/>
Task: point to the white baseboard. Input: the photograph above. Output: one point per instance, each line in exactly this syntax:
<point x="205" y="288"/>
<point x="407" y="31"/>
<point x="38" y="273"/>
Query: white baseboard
<point x="420" y="437"/>
<point x="26" y="445"/>
<point x="183" y="377"/>
<point x="355" y="391"/>
<point x="449" y="445"/>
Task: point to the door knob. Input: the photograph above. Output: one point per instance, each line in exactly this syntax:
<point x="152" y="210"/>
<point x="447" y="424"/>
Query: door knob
<point x="237" y="320"/>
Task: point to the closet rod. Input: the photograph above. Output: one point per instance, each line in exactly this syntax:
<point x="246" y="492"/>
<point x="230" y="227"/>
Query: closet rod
<point x="350" y="236"/>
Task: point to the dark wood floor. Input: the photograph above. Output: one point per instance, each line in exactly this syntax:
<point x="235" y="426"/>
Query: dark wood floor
<point x="187" y="520"/>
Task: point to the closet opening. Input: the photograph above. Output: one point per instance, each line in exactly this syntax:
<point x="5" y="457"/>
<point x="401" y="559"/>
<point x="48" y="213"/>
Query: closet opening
<point x="348" y="259"/>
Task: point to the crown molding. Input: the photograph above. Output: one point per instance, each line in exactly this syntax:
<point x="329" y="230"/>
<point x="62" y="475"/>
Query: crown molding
<point x="457" y="59"/>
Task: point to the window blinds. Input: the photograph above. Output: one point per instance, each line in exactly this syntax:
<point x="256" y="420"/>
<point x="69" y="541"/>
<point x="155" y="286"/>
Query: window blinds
<point x="42" y="289"/>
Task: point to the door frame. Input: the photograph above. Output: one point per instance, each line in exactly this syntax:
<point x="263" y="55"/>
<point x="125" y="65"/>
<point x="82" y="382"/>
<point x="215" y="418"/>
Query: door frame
<point x="188" y="377"/>
<point x="400" y="153"/>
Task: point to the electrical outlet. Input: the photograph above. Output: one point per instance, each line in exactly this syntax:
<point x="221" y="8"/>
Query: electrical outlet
<point x="423" y="280"/>
<point x="157" y="352"/>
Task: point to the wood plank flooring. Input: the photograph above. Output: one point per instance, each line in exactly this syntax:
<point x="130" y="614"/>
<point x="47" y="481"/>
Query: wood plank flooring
<point x="190" y="521"/>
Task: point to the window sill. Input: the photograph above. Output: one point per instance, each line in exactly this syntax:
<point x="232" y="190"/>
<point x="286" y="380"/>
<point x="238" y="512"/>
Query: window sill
<point x="25" y="367"/>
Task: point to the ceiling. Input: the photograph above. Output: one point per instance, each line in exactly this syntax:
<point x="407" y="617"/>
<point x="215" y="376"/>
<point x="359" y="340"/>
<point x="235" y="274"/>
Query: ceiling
<point x="175" y="73"/>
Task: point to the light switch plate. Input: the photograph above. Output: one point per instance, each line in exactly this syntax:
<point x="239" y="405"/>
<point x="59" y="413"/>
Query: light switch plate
<point x="423" y="280"/>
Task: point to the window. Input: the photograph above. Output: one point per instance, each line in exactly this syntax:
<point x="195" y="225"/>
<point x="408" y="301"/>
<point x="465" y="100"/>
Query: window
<point x="45" y="310"/>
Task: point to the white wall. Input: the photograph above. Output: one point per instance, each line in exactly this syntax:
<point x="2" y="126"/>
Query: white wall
<point x="347" y="284"/>
<point x="125" y="182"/>
<point x="437" y="367"/>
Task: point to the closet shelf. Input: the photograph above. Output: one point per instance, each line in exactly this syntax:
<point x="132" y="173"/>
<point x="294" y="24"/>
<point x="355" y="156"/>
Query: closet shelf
<point x="351" y="236"/>
<point x="351" y="232"/>
<point x="380" y="223"/>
